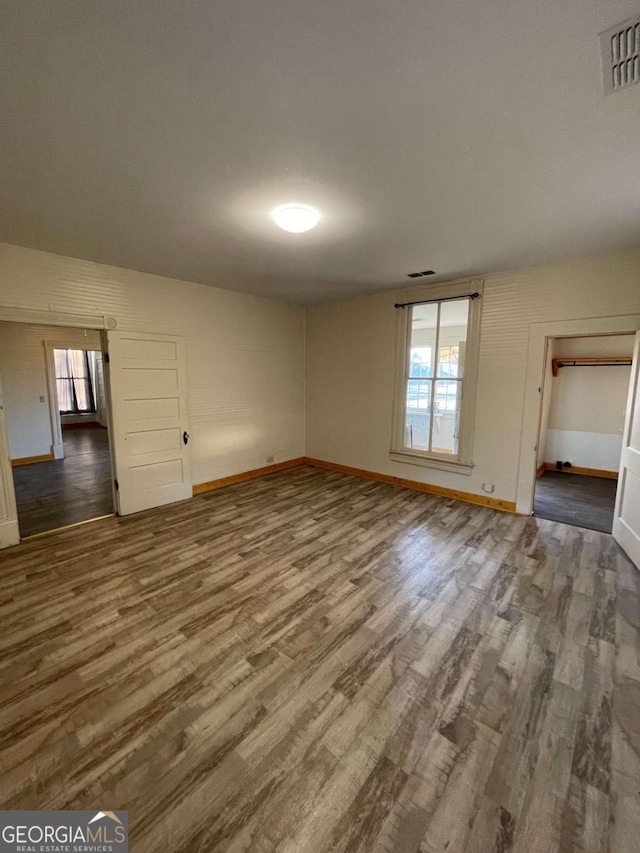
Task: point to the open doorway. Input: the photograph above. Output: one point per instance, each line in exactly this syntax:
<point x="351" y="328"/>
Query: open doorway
<point x="584" y="401"/>
<point x="57" y="424"/>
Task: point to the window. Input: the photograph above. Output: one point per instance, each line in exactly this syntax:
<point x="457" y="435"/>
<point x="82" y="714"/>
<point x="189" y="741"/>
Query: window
<point x="73" y="379"/>
<point x="435" y="388"/>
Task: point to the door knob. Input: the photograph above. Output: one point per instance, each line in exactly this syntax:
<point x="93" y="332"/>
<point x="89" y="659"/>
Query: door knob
<point x="185" y="437"/>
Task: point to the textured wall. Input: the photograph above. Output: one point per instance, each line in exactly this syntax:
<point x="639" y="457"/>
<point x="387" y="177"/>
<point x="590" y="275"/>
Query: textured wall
<point x="245" y="355"/>
<point x="350" y="365"/>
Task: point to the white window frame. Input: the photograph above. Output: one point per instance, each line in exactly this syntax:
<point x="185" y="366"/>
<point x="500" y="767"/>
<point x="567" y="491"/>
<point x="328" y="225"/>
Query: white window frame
<point x="462" y="463"/>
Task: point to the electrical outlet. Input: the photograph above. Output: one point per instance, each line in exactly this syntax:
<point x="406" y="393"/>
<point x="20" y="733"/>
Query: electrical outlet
<point x="41" y="398"/>
<point x="269" y="459"/>
<point x="488" y="488"/>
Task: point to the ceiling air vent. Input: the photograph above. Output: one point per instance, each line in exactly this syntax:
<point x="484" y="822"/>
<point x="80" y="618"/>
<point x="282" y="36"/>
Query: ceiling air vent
<point x="420" y="274"/>
<point x="621" y="55"/>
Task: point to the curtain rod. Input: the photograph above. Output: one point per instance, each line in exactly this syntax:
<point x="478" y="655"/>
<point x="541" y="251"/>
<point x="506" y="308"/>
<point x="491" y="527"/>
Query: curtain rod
<point x="443" y="299"/>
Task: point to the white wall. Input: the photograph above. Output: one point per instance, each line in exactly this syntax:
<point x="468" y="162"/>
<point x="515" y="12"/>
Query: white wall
<point x="24" y="378"/>
<point x="350" y="365"/>
<point x="588" y="404"/>
<point x="245" y="357"/>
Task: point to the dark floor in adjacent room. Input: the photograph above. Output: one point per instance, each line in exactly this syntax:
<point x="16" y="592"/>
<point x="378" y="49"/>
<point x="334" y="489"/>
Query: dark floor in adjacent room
<point x="576" y="499"/>
<point x="53" y="494"/>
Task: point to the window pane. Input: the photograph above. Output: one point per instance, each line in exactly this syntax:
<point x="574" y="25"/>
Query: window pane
<point x="62" y="367"/>
<point x="446" y="420"/>
<point x="418" y="414"/>
<point x="424" y="319"/>
<point x="78" y="360"/>
<point x="75" y="393"/>
<point x="83" y="395"/>
<point x="453" y="337"/>
<point x="65" y="396"/>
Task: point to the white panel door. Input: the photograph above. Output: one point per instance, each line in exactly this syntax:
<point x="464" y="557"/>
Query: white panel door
<point x="147" y="383"/>
<point x="626" y="520"/>
<point x="9" y="530"/>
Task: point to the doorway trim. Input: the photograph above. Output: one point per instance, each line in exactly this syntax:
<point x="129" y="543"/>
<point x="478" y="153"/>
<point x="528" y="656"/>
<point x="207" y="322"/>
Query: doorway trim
<point x="539" y="333"/>
<point x="36" y="317"/>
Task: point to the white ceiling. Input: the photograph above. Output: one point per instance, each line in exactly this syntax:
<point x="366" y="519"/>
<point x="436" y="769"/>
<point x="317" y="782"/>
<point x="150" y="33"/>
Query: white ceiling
<point x="464" y="136"/>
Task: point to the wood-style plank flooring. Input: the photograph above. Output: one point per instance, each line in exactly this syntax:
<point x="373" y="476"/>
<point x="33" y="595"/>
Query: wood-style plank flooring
<point x="53" y="494"/>
<point x="576" y="499"/>
<point x="312" y="662"/>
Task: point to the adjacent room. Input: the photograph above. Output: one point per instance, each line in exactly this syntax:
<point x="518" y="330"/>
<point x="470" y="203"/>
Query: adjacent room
<point x="56" y="416"/>
<point x="320" y="426"/>
<point x="585" y="393"/>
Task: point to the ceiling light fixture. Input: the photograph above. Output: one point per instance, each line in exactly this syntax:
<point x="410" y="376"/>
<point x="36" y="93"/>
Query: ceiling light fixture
<point x="295" y="217"/>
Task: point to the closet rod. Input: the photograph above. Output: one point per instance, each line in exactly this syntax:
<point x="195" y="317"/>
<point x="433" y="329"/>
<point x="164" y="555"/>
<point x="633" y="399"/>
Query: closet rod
<point x="614" y="361"/>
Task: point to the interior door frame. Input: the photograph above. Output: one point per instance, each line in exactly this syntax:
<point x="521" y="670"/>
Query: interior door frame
<point x="99" y="322"/>
<point x="539" y="334"/>
<point x="623" y="532"/>
<point x="9" y="529"/>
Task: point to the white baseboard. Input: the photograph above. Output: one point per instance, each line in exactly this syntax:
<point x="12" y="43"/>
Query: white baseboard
<point x="584" y="449"/>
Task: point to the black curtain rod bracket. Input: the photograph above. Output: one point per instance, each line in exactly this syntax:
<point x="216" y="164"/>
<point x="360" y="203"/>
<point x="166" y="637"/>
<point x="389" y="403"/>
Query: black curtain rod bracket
<point x="443" y="299"/>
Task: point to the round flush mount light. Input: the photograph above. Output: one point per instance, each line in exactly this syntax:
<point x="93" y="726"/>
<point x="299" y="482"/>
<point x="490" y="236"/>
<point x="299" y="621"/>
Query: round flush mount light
<point x="295" y="217"/>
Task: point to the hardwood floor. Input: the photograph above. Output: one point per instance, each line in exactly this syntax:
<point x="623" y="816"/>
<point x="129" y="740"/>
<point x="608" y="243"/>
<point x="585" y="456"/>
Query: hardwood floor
<point x="312" y="662"/>
<point x="53" y="494"/>
<point x="576" y="499"/>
